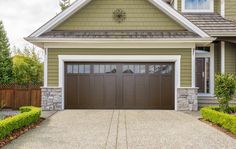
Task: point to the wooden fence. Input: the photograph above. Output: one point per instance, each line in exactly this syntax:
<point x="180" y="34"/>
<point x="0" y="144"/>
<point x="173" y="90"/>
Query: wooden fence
<point x="14" y="96"/>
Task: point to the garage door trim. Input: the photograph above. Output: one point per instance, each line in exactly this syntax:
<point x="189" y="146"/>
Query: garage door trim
<point x="119" y="58"/>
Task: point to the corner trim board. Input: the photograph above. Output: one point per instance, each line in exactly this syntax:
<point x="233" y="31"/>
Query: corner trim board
<point x="45" y="83"/>
<point x="119" y="58"/>
<point x="222" y="8"/>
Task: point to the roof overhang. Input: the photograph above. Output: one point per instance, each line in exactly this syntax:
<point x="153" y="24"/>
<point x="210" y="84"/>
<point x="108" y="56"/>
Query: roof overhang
<point x="119" y="43"/>
<point x="228" y="39"/>
<point x="77" y="5"/>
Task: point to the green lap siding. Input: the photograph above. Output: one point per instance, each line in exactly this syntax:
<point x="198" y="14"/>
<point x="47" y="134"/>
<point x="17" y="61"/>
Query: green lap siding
<point x="179" y="5"/>
<point x="230" y="58"/>
<point x="230" y="9"/>
<point x="217" y="57"/>
<point x="217" y="6"/>
<point x="141" y="15"/>
<point x="185" y="60"/>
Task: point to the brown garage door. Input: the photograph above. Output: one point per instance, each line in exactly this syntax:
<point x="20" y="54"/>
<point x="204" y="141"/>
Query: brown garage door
<point x="119" y="85"/>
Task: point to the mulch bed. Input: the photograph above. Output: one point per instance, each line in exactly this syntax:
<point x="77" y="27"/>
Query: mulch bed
<point x="219" y="128"/>
<point x="16" y="133"/>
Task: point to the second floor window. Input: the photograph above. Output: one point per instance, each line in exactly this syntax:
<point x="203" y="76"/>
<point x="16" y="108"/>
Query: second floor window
<point x="197" y="5"/>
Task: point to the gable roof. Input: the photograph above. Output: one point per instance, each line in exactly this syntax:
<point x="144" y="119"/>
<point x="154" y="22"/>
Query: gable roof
<point x="213" y="24"/>
<point x="167" y="9"/>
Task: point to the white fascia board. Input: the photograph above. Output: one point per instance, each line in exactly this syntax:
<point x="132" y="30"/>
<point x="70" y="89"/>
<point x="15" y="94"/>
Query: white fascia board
<point x="95" y="40"/>
<point x="178" y="17"/>
<point x="120" y="43"/>
<point x="60" y="17"/>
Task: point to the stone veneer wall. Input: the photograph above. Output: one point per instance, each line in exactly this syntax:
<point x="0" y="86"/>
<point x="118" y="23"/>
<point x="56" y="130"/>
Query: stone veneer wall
<point x="51" y="98"/>
<point x="187" y="99"/>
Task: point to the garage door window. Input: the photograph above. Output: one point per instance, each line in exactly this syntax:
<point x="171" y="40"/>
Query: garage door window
<point x="78" y="69"/>
<point x="160" y="69"/>
<point x="137" y="69"/>
<point x="104" y="68"/>
<point x="84" y="69"/>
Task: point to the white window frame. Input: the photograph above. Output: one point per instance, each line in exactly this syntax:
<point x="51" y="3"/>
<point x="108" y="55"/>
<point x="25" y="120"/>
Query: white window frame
<point x="198" y="10"/>
<point x="212" y="69"/>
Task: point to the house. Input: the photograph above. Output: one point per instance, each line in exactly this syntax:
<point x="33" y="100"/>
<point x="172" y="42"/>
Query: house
<point x="136" y="54"/>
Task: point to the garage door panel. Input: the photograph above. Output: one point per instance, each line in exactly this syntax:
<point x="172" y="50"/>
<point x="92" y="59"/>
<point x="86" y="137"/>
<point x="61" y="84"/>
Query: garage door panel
<point x="141" y="97"/>
<point x="155" y="91"/>
<point x="110" y="87"/>
<point x="128" y="99"/>
<point x="84" y="91"/>
<point x="98" y="90"/>
<point x="71" y="92"/>
<point x="167" y="88"/>
<point x="120" y="85"/>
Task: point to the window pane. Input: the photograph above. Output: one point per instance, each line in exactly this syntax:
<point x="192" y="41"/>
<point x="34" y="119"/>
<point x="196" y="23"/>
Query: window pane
<point x="128" y="68"/>
<point x="69" y="68"/>
<point x="142" y="69"/>
<point x="86" y="68"/>
<point x="75" y="69"/>
<point x="104" y="68"/>
<point x="154" y="68"/>
<point x="96" y="68"/>
<point x="197" y="4"/>
<point x="166" y="69"/>
<point x="81" y="68"/>
<point x="137" y="69"/>
<point x="101" y="69"/>
<point x="113" y="69"/>
<point x="110" y="68"/>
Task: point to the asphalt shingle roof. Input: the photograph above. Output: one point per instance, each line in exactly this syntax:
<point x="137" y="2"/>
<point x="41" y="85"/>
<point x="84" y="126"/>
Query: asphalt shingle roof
<point x="212" y="23"/>
<point x="119" y="34"/>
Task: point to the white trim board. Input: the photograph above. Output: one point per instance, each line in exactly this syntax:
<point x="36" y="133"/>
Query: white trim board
<point x="45" y="83"/>
<point x="222" y="8"/>
<point x="167" y="9"/>
<point x="119" y="58"/>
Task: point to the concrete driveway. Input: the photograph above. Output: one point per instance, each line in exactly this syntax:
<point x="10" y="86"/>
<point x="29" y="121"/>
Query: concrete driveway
<point x="133" y="129"/>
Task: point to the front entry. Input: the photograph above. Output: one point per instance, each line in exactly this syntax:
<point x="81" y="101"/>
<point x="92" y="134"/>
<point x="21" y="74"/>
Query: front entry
<point x="202" y="74"/>
<point x="119" y="85"/>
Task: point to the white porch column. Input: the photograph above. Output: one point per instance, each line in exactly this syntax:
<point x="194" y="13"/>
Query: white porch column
<point x="45" y="82"/>
<point x="222" y="57"/>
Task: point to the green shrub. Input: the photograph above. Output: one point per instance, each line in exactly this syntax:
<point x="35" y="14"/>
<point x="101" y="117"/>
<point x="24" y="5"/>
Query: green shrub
<point x="27" y="116"/>
<point x="225" y="86"/>
<point x="224" y="120"/>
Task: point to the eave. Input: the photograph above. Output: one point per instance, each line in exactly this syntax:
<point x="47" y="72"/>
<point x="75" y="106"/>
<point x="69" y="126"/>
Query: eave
<point x="119" y="43"/>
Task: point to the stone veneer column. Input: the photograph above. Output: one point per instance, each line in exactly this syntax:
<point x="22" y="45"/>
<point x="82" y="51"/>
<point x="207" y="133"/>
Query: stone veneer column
<point x="51" y="98"/>
<point x="187" y="99"/>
